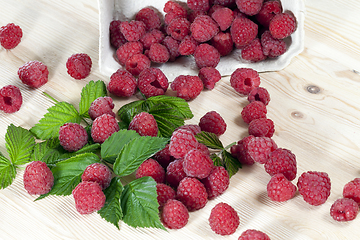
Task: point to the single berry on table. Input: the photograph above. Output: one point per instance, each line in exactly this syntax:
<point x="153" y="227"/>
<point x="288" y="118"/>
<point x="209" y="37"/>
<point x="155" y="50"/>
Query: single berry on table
<point x="10" y="99"/>
<point x="38" y="178"/>
<point x="88" y="197"/>
<point x="224" y="219"/>
<point x="79" y="65"/>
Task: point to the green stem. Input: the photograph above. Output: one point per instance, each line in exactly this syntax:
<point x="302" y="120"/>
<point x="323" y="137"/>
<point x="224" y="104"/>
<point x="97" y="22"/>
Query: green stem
<point x="50" y="97"/>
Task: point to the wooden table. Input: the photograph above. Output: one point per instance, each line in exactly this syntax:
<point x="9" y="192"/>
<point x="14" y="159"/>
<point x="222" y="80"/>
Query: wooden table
<point x="315" y="105"/>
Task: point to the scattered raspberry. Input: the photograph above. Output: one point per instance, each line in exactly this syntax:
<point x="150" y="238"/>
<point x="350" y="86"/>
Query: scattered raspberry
<point x="243" y="31"/>
<point x="195" y="129"/>
<point x="252" y="234"/>
<point x="122" y="84"/>
<point x="133" y="30"/>
<point x="152" y="82"/>
<point x="268" y="10"/>
<point x="137" y="63"/>
<point x="198" y="5"/>
<point x="282" y="161"/>
<point x="117" y="39"/>
<point x="217" y="182"/>
<point x="164" y="193"/>
<point x="150" y="17"/>
<point x="280" y="189"/>
<point x="282" y="25"/>
<point x="272" y="47"/>
<point x="239" y="151"/>
<point x="151" y="168"/>
<point x="173" y="10"/>
<point x="187" y="87"/>
<point x="261" y="127"/>
<point x="192" y="193"/>
<point x="79" y="65"/>
<point x="209" y="76"/>
<point x="174" y="215"/>
<point x="259" y="94"/>
<point x="249" y="7"/>
<point x="103" y="127"/>
<point x="89" y="197"/>
<point x="187" y="46"/>
<point x="254" y="110"/>
<point x="99" y="173"/>
<point x="223" y="17"/>
<point x="244" y="80"/>
<point x="206" y="56"/>
<point x="10" y="35"/>
<point x="352" y="190"/>
<point x="144" y="124"/>
<point x="203" y="28"/>
<point x="175" y="172"/>
<point x="72" y="136"/>
<point x="127" y="50"/>
<point x="100" y="106"/>
<point x="178" y="28"/>
<point x="314" y="187"/>
<point x="259" y="148"/>
<point x="253" y="52"/>
<point x="34" y="74"/>
<point x="181" y="142"/>
<point x="197" y="164"/>
<point x="344" y="209"/>
<point x="212" y="122"/>
<point x="151" y="37"/>
<point x="38" y="179"/>
<point x="10" y="99"/>
<point x="223" y="43"/>
<point x="223" y="219"/>
<point x="158" y="53"/>
<point x="173" y="46"/>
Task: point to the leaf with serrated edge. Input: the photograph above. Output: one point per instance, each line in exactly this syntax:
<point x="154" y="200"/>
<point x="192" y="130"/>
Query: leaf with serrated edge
<point x="178" y="103"/>
<point x="167" y="119"/>
<point x="19" y="144"/>
<point x="7" y="172"/>
<point x="136" y="152"/>
<point x="128" y="111"/>
<point x="210" y="140"/>
<point x="112" y="211"/>
<point x="45" y="153"/>
<point x="232" y="165"/>
<point x="89" y="93"/>
<point x="139" y="204"/>
<point x="48" y="127"/>
<point x="217" y="160"/>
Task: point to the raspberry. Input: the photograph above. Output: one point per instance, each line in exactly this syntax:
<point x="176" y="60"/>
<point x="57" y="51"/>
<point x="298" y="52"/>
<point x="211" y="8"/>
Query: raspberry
<point x="243" y="80"/>
<point x="261" y="127"/>
<point x="203" y="28"/>
<point x="175" y="172"/>
<point x="206" y="56"/>
<point x="212" y="122"/>
<point x="344" y="209"/>
<point x="163" y="156"/>
<point x="10" y="99"/>
<point x="10" y="35"/>
<point x="88" y="197"/>
<point x="252" y="234"/>
<point x="249" y="7"/>
<point x="352" y="190"/>
<point x="272" y="47"/>
<point x="280" y="189"/>
<point x="127" y="50"/>
<point x="34" y="74"/>
<point x="99" y="173"/>
<point x="195" y="129"/>
<point x="137" y="63"/>
<point x="254" y="110"/>
<point x="153" y="36"/>
<point x="314" y="187"/>
<point x="253" y="51"/>
<point x="198" y="5"/>
<point x="173" y="46"/>
<point x="259" y="94"/>
<point x="117" y="39"/>
<point x="223" y="43"/>
<point x="213" y="8"/>
<point x="158" y="53"/>
<point x="203" y="148"/>
<point x="79" y="65"/>
<point x="226" y="3"/>
<point x="193" y="14"/>
<point x="144" y="124"/>
<point x="259" y="148"/>
<point x="72" y="136"/>
<point x="100" y="106"/>
<point x="181" y="142"/>
<point x="243" y="31"/>
<point x="268" y="10"/>
<point x="178" y="28"/>
<point x="282" y="161"/>
<point x="282" y="25"/>
<point x="122" y="84"/>
<point x="38" y="179"/>
<point x="150" y="17"/>
<point x="223" y="219"/>
<point x="152" y="82"/>
<point x="217" y="182"/>
<point x="240" y="152"/>
<point x="187" y="87"/>
<point x="209" y="76"/>
<point x="151" y="168"/>
<point x="103" y="127"/>
<point x="133" y="30"/>
<point x="173" y="10"/>
<point x="197" y="164"/>
<point x="187" y="46"/>
<point x="164" y="193"/>
<point x="192" y="193"/>
<point x="174" y="215"/>
<point x="223" y="17"/>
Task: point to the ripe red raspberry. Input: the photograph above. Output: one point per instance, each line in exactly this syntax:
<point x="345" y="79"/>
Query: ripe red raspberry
<point x="193" y="14"/>
<point x="252" y="234"/>
<point x="259" y="148"/>
<point x="212" y="122"/>
<point x="282" y="25"/>
<point x="72" y="136"/>
<point x="243" y="31"/>
<point x="151" y="168"/>
<point x="261" y="127"/>
<point x="249" y="7"/>
<point x="272" y="47"/>
<point x="164" y="193"/>
<point x="178" y="28"/>
<point x="259" y="94"/>
<point x="133" y="30"/>
<point x="195" y="129"/>
<point x="173" y="47"/>
<point x="344" y="209"/>
<point x="187" y="87"/>
<point x="150" y="17"/>
<point x="137" y="63"/>
<point x="223" y="43"/>
<point x="99" y="173"/>
<point x="34" y="74"/>
<point x="197" y="164"/>
<point x="10" y="99"/>
<point x="174" y="215"/>
<point x="268" y="10"/>
<point x="181" y="142"/>
<point x="192" y="193"/>
<point x="127" y="50"/>
<point x="152" y="82"/>
<point x="209" y="76"/>
<point x="203" y="28"/>
<point x="352" y="190"/>
<point x="253" y="52"/>
<point x="144" y="124"/>
<point x="280" y="189"/>
<point x="226" y="3"/>
<point x="173" y="10"/>
<point x="244" y="80"/>
<point x="89" y="197"/>
<point x="122" y="84"/>
<point x="198" y="5"/>
<point x="282" y="161"/>
<point x="117" y="39"/>
<point x="158" y="53"/>
<point x="203" y="148"/>
<point x="314" y="187"/>
<point x="206" y="56"/>
<point x="239" y="151"/>
<point x="10" y="35"/>
<point x="38" y="179"/>
<point x="223" y="219"/>
<point x="223" y="17"/>
<point x="100" y="106"/>
<point x="217" y="182"/>
<point x="79" y="65"/>
<point x="187" y="46"/>
<point x="175" y="172"/>
<point x="103" y="127"/>
<point x="164" y="157"/>
<point x="151" y="37"/>
<point x="254" y="110"/>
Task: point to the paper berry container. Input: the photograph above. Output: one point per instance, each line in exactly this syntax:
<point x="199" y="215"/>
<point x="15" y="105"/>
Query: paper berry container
<point x="125" y="10"/>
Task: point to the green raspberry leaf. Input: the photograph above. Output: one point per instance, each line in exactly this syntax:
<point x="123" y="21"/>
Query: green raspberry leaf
<point x="45" y="152"/>
<point x="139" y="204"/>
<point x="128" y="111"/>
<point x="231" y="164"/>
<point x="175" y="102"/>
<point x="210" y="140"/>
<point x="57" y="115"/>
<point x="19" y="144"/>
<point x="89" y="93"/>
<point x="112" y="211"/>
<point x="136" y="152"/>
<point x="7" y="172"/>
